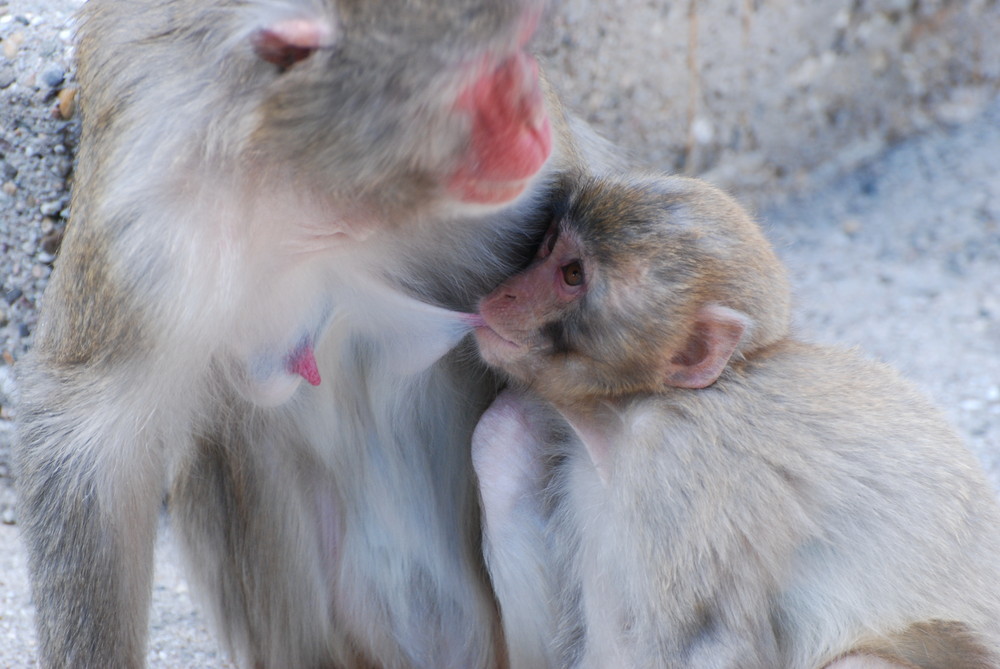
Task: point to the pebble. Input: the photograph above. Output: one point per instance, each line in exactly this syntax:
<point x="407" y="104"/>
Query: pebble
<point x="53" y="76"/>
<point x="11" y="45"/>
<point x="851" y="226"/>
<point x="7" y="77"/>
<point x="13" y="295"/>
<point x="702" y="130"/>
<point x="51" y="242"/>
<point x="67" y="103"/>
<point x="963" y="105"/>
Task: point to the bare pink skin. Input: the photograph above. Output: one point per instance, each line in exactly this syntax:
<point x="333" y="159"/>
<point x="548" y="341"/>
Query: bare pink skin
<point x="302" y="361"/>
<point x="511" y="137"/>
<point x="287" y="42"/>
<point x="512" y="313"/>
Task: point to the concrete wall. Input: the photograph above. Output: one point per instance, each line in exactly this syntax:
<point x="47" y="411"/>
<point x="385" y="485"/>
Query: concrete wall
<point x="767" y="96"/>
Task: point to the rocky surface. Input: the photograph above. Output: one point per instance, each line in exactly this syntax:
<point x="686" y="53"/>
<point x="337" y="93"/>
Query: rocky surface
<point x="772" y="97"/>
<point x="38" y="135"/>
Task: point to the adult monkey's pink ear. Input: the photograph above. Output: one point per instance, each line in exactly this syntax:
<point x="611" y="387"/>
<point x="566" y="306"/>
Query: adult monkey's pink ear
<point x="290" y="41"/>
<point x="713" y="340"/>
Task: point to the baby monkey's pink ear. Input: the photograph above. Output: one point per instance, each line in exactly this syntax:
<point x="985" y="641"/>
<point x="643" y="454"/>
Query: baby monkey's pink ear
<point x="716" y="334"/>
<point x="290" y="41"/>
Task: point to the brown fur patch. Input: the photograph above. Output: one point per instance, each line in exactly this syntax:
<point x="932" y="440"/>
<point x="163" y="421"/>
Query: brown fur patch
<point x="935" y="644"/>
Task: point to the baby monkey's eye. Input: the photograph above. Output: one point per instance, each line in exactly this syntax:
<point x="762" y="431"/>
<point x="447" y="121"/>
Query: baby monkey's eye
<point x="572" y="273"/>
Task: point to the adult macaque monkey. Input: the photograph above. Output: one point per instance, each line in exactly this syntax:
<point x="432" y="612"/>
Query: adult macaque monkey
<point x="724" y="496"/>
<point x="263" y="188"/>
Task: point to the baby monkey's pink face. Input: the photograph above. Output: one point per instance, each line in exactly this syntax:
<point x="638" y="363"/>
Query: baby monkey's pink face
<point x="521" y="322"/>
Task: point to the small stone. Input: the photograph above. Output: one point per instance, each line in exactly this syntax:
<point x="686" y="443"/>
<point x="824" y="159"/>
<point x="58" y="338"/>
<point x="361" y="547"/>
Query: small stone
<point x="9" y="187"/>
<point x="42" y="271"/>
<point x="963" y="105"/>
<point x="851" y="226"/>
<point x="7" y="77"/>
<point x="53" y="76"/>
<point x="8" y="517"/>
<point x="879" y="62"/>
<point x="67" y="103"/>
<point x="13" y="295"/>
<point x="50" y="208"/>
<point x="51" y="242"/>
<point x="702" y="130"/>
<point x="23" y="330"/>
<point x="11" y="46"/>
<point x="47" y="225"/>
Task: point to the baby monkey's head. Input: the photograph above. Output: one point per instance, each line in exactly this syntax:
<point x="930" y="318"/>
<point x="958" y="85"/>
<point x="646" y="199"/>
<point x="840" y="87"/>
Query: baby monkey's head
<point x="642" y="283"/>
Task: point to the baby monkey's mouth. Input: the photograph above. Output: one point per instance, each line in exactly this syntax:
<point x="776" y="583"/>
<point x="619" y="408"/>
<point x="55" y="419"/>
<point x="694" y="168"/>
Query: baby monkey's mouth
<point x="487" y="331"/>
<point x="489" y="339"/>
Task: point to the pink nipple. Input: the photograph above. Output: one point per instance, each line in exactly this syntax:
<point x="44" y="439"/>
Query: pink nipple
<point x="303" y="362"/>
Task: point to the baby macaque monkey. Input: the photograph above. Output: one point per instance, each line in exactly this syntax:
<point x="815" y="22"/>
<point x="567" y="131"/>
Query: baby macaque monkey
<point x="723" y="496"/>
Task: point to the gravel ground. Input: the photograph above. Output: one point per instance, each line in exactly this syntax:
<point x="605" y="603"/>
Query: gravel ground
<point x="900" y="258"/>
<point x="37" y="138"/>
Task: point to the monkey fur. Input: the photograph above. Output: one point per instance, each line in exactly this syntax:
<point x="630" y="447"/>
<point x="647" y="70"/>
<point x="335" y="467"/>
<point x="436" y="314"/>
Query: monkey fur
<point x="674" y="481"/>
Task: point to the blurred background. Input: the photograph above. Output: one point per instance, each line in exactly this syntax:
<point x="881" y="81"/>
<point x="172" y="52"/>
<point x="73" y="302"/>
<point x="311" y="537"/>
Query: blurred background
<point x="767" y="97"/>
<point x="865" y="135"/>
